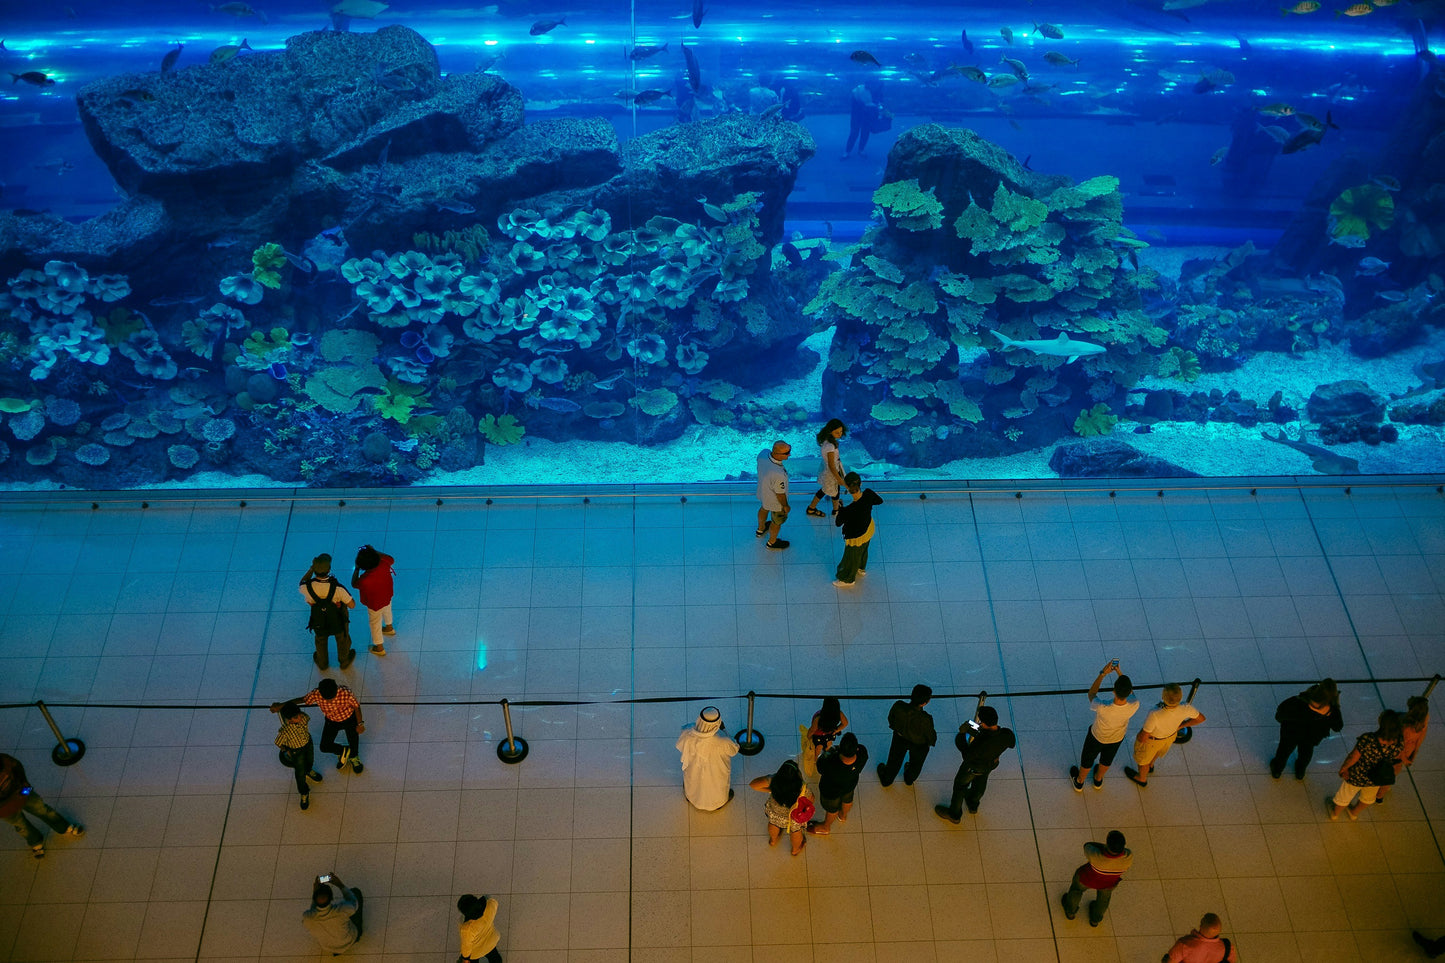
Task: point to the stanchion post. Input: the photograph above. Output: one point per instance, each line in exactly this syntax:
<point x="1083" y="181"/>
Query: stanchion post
<point x="512" y="750"/>
<point x="750" y="740"/>
<point x="1186" y="732"/>
<point x="982" y="698"/>
<point x="67" y="752"/>
<point x="1433" y="683"/>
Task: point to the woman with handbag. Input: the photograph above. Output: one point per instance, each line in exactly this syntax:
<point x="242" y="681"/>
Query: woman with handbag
<point x="789" y="804"/>
<point x="1370" y="766"/>
<point x="1416" y="722"/>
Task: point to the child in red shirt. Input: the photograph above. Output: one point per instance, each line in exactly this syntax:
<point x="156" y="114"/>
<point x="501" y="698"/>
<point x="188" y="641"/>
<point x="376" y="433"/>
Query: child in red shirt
<point x="373" y="579"/>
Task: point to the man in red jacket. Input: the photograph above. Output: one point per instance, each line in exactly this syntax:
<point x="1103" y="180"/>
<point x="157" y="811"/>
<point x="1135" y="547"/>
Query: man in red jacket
<point x="373" y="579"/>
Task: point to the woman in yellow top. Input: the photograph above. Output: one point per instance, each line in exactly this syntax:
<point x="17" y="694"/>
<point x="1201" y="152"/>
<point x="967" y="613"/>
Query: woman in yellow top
<point x="479" y="929"/>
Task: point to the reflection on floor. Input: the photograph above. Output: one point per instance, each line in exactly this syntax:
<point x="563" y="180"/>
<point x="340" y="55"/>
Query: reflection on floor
<point x="197" y="850"/>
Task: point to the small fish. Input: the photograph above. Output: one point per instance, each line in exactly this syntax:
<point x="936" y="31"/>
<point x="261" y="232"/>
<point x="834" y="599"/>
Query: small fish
<point x="1392" y="296"/>
<point x="1276" y="110"/>
<point x="559" y="404"/>
<point x="221" y="54"/>
<point x="1355" y="10"/>
<point x="1213" y="80"/>
<point x="1371" y="266"/>
<point x="916" y="60"/>
<point x="3" y="47"/>
<point x="61" y="166"/>
<point x="34" y="78"/>
<point x="1324" y="461"/>
<point x="791" y="253"/>
<point x="1218" y="156"/>
<point x="967" y="44"/>
<point x="224" y="241"/>
<point x="865" y="58"/>
<point x="1279" y="134"/>
<point x="487" y="63"/>
<point x="299" y="262"/>
<point x="643" y="52"/>
<point x="694" y="69"/>
<point x="168" y="62"/>
<point x="138" y="95"/>
<point x="1060" y="60"/>
<point x="870" y="379"/>
<point x="1017" y="66"/>
<point x="1304" y="139"/>
<point x="1007" y="35"/>
<point x="1002" y="80"/>
<point x="1348" y="240"/>
<point x="772" y="110"/>
<point x="1244" y="49"/>
<point x="359" y="9"/>
<point x="698" y="12"/>
<point x="546" y="26"/>
<point x="1304" y="6"/>
<point x="237" y="9"/>
<point x="1049" y="30"/>
<point x="649" y="96"/>
<point x="456" y="207"/>
<point x="1385" y="181"/>
<point x="170" y="302"/>
<point x="972" y="73"/>
<point x="1314" y="123"/>
<point x="713" y="211"/>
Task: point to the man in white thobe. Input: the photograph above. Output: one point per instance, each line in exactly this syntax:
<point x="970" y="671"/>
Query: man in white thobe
<point x="707" y="761"/>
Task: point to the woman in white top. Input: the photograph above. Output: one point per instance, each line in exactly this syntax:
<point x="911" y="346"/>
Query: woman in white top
<point x="830" y="475"/>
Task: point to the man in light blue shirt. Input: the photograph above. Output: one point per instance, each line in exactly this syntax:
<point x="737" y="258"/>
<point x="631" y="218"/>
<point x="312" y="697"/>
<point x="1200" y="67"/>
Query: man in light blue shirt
<point x="773" y="492"/>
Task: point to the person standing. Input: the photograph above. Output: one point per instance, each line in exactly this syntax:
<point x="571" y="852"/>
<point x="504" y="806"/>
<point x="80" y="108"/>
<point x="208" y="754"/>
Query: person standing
<point x="838" y="771"/>
<point x="981" y="743"/>
<point x="856" y="521"/>
<point x="341" y="712"/>
<point x="1203" y="945"/>
<point x="707" y="761"/>
<point x="297" y="750"/>
<point x="865" y="112"/>
<point x="1304" y="722"/>
<point x="372" y="578"/>
<point x="329" y="603"/>
<point x="827" y="724"/>
<point x="479" y="929"/>
<point x="335" y="924"/>
<point x="18" y="797"/>
<point x="913" y="736"/>
<point x="1161" y="728"/>
<point x="773" y="493"/>
<point x="1106" y="733"/>
<point x="789" y="805"/>
<point x="831" y="474"/>
<point x="1416" y="723"/>
<point x="1368" y="767"/>
<point x="1106" y="866"/>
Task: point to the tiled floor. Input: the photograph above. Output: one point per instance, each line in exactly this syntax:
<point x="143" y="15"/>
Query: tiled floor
<point x="196" y="849"/>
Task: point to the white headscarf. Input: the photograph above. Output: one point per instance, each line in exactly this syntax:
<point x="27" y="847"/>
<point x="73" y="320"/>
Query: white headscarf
<point x="709" y="720"/>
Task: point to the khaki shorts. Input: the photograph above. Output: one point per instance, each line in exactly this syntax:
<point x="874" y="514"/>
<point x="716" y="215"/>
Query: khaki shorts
<point x="1346" y="794"/>
<point x="1150" y="750"/>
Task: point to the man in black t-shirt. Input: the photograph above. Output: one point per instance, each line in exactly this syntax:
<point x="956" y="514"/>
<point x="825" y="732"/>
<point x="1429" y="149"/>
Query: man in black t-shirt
<point x="856" y="521"/>
<point x="981" y="742"/>
<point x="838" y="771"/>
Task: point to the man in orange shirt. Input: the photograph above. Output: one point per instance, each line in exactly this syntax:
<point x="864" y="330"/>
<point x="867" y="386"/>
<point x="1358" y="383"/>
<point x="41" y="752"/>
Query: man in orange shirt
<point x="1203" y="945"/>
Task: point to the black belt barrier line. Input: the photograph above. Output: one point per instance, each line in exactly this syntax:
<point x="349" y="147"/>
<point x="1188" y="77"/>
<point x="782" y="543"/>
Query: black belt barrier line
<point x="658" y="700"/>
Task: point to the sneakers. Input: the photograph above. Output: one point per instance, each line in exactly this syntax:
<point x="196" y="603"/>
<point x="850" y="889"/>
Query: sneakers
<point x="343" y="759"/>
<point x="380" y="649"/>
<point x="1077" y="779"/>
<point x="1275" y="772"/>
<point x="1065" y="901"/>
<point x="778" y="544"/>
<point x="842" y="584"/>
<point x="75" y="829"/>
<point x="356" y="766"/>
<point x="942" y="812"/>
<point x="862" y="571"/>
<point x="972" y="808"/>
<point x="314" y="776"/>
<point x="305" y="802"/>
<point x="388" y="630"/>
<point x="886" y="782"/>
<point x="344" y="662"/>
<point x="38" y="850"/>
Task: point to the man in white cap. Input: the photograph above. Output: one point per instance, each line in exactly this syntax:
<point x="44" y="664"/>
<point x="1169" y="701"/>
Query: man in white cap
<point x="707" y="761"/>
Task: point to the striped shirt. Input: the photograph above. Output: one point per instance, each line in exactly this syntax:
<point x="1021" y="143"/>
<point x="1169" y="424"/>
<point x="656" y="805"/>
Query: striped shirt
<point x="339" y="709"/>
<point x="294" y="735"/>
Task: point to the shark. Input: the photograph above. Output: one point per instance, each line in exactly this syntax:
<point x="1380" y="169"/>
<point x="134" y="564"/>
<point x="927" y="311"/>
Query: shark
<point x="1061" y="347"/>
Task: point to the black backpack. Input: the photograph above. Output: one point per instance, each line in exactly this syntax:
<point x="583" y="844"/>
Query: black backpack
<point x="328" y="616"/>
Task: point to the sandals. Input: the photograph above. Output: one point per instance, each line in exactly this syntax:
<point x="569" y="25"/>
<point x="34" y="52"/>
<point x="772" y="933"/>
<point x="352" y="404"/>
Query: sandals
<point x="816" y="514"/>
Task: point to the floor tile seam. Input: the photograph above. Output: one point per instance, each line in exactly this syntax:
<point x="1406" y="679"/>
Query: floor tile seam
<point x="1003" y="670"/>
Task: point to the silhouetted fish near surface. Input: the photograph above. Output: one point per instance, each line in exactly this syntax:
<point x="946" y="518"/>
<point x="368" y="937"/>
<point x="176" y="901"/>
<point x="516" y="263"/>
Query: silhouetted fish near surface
<point x="698" y="12"/>
<point x="1007" y="35"/>
<point x="643" y="52"/>
<point x="1049" y="30"/>
<point x="972" y="73"/>
<point x="237" y="9"/>
<point x="694" y="70"/>
<point x="1060" y="60"/>
<point x="1304" y="139"/>
<point x="1314" y="123"/>
<point x="61" y="166"/>
<point x="644" y="96"/>
<point x="456" y="207"/>
<point x="360" y="9"/>
<point x="967" y="44"/>
<point x="34" y="78"/>
<point x="546" y="26"/>
<point x="865" y="58"/>
<point x="221" y="54"/>
<point x="1324" y="461"/>
<point x="168" y="62"/>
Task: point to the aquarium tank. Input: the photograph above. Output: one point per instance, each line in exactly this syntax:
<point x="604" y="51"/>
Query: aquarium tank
<point x="287" y="243"/>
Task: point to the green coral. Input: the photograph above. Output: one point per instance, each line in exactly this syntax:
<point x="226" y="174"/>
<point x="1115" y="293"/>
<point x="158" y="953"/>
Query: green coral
<point x="909" y="206"/>
<point x="891" y="411"/>
<point x="470" y="243"/>
<point x="1360" y="208"/>
<point x="1179" y="363"/>
<point x="886" y="270"/>
<point x="1095" y="421"/>
<point x="1018" y="212"/>
<point x="349" y="345"/>
<point x="399" y="401"/>
<point x="501" y="431"/>
<point x="655" y="401"/>
<point x="339" y="389"/>
<point x="266" y="264"/>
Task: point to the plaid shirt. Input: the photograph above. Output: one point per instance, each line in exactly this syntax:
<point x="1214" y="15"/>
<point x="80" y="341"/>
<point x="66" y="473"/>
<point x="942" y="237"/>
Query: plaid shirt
<point x="294" y="735"/>
<point x="343" y="707"/>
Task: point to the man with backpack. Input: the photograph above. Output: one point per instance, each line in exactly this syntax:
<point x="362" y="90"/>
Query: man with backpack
<point x="329" y="603"/>
<point x="1202" y="945"/>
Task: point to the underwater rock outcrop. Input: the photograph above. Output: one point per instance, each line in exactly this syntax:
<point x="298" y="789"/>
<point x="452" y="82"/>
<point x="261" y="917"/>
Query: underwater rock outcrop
<point x="990" y="311"/>
<point x="1111" y="458"/>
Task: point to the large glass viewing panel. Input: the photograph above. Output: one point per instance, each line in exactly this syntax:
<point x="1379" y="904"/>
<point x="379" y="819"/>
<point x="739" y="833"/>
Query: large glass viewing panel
<point x="438" y="244"/>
